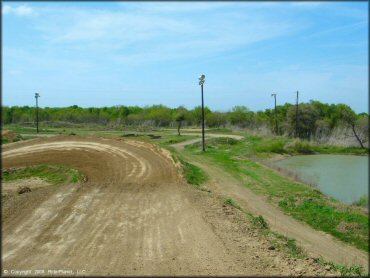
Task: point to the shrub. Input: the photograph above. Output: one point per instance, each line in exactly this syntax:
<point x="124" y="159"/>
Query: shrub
<point x="231" y="202"/>
<point x="298" y="146"/>
<point x="260" y="222"/>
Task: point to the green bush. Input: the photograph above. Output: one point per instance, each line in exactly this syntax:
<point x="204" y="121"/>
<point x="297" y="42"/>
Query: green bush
<point x="260" y="222"/>
<point x="362" y="202"/>
<point x="298" y="146"/>
<point x="276" y="146"/>
<point x="231" y="202"/>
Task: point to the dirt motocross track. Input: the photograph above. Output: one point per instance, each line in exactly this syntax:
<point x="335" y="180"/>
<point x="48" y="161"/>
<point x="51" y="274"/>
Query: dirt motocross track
<point x="133" y="216"/>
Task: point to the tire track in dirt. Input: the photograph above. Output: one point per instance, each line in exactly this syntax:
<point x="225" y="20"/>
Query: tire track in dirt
<point x="133" y="216"/>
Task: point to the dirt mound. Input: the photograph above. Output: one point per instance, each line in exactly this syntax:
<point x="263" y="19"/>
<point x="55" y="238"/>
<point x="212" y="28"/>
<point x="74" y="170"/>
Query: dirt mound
<point x="24" y="189"/>
<point x="9" y="134"/>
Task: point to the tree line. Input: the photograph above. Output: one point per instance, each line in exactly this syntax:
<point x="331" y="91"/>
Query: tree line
<point x="315" y="120"/>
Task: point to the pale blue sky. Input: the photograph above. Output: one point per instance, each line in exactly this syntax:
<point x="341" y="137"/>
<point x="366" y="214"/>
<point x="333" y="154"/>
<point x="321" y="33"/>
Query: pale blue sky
<point x="143" y="53"/>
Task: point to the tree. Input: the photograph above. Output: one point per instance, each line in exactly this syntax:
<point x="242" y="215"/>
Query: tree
<point x="216" y="119"/>
<point x="353" y="121"/>
<point x="308" y="115"/>
<point x="196" y="114"/>
<point x="179" y="119"/>
<point x="241" y="116"/>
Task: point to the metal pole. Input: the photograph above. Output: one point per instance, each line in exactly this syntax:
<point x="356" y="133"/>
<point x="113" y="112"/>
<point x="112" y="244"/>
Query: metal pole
<point x="276" y="121"/>
<point x="37" y="113"/>
<point x="296" y="118"/>
<point x="203" y="143"/>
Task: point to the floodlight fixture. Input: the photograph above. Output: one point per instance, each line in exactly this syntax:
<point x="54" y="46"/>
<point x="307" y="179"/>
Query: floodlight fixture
<point x="202" y="79"/>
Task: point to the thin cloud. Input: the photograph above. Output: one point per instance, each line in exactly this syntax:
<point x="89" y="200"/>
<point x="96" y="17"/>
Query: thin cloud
<point x="147" y="35"/>
<point x="22" y="10"/>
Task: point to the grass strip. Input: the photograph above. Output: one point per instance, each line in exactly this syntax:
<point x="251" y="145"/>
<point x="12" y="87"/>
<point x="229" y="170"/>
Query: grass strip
<point x="289" y="246"/>
<point x="54" y="174"/>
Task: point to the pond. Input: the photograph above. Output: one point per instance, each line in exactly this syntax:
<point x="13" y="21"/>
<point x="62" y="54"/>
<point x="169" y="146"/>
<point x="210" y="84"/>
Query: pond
<point x="343" y="177"/>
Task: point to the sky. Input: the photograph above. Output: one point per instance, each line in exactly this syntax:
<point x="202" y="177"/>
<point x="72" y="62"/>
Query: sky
<point x="95" y="54"/>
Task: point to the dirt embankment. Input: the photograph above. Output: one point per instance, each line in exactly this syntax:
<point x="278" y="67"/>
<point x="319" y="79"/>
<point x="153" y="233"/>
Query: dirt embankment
<point x="317" y="243"/>
<point x="9" y="135"/>
<point x="134" y="216"/>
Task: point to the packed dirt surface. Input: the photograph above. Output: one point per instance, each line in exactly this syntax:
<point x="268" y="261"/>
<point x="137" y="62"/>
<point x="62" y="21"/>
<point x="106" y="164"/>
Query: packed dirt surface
<point x="317" y="243"/>
<point x="181" y="146"/>
<point x="133" y="216"/>
<point x="31" y="183"/>
<point x="8" y="134"/>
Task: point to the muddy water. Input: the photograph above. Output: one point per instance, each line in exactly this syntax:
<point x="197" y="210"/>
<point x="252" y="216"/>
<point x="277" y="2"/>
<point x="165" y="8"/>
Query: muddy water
<point x="344" y="177"/>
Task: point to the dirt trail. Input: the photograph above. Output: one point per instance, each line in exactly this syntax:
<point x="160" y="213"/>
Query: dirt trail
<point x="134" y="216"/>
<point x="315" y="242"/>
<point x="180" y="146"/>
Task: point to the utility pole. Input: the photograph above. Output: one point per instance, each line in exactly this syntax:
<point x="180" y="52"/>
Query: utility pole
<point x="37" y="95"/>
<point x="276" y="121"/>
<point x="201" y="82"/>
<point x="296" y="117"/>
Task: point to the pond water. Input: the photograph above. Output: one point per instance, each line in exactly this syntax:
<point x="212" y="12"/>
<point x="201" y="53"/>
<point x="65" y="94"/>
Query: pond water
<point x="344" y="177"/>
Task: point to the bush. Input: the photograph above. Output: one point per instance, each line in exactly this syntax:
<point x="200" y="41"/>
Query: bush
<point x="223" y="141"/>
<point x="276" y="146"/>
<point x="362" y="202"/>
<point x="298" y="146"/>
<point x="260" y="222"/>
<point x="231" y="202"/>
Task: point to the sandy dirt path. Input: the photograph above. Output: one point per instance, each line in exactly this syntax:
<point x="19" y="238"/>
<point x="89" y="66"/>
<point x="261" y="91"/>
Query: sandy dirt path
<point x="317" y="243"/>
<point x="181" y="146"/>
<point x="134" y="216"/>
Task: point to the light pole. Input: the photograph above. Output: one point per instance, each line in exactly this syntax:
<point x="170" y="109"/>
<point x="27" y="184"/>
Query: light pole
<point x="296" y="117"/>
<point x="276" y="121"/>
<point x="201" y="82"/>
<point x="37" y="95"/>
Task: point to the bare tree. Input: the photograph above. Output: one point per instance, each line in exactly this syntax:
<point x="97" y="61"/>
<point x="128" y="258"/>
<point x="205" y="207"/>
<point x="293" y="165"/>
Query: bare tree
<point x="357" y="124"/>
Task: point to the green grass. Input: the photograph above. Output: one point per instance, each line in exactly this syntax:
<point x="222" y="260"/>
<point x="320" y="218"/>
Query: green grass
<point x="6" y="141"/>
<point x="277" y="240"/>
<point x="54" y="174"/>
<point x="289" y="246"/>
<point x="29" y="129"/>
<point x="220" y="130"/>
<point x="231" y="202"/>
<point x="328" y="219"/>
<point x="258" y="146"/>
<point x="260" y="222"/>
<point x="169" y="139"/>
<point x="345" y="271"/>
<point x="303" y="202"/>
<point x="193" y="174"/>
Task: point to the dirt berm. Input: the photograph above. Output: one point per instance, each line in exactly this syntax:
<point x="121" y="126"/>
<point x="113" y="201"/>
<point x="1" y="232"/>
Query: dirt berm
<point x="134" y="216"/>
